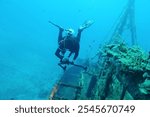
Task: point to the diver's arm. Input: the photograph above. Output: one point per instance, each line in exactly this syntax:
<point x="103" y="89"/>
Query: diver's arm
<point x="60" y="35"/>
<point x="78" y="35"/>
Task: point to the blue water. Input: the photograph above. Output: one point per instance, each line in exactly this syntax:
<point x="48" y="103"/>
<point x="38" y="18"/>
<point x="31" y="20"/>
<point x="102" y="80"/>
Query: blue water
<point x="28" y="66"/>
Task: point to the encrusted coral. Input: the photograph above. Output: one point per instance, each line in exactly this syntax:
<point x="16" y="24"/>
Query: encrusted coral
<point x="132" y="57"/>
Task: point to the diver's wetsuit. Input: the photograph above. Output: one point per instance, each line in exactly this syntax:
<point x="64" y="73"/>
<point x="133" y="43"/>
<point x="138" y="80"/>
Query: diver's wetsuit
<point x="68" y="43"/>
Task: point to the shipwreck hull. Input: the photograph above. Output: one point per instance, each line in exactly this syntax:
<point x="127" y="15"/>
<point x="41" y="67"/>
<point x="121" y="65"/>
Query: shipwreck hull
<point x="117" y="74"/>
<point x="69" y="85"/>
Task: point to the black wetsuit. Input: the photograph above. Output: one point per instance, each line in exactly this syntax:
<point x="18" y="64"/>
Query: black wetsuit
<point x="68" y="43"/>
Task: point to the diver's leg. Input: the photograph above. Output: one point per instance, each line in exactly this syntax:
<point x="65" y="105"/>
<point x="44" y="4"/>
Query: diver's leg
<point x="63" y="52"/>
<point x="63" y="67"/>
<point x="69" y="54"/>
<point x="57" y="53"/>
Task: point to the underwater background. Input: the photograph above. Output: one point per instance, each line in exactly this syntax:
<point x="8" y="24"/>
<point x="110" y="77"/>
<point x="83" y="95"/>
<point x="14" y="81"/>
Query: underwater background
<point x="28" y="66"/>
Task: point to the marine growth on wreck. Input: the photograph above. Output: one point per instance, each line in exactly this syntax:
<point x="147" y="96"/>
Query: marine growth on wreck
<point x="121" y="72"/>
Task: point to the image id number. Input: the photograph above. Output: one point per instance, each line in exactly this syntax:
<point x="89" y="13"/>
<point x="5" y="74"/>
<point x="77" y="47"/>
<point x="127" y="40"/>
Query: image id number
<point x="106" y="109"/>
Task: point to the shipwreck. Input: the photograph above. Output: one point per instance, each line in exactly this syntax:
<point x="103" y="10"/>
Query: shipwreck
<point x="119" y="72"/>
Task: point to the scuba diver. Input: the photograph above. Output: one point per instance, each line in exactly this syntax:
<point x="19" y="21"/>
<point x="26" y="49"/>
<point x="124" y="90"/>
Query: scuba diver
<point x="70" y="43"/>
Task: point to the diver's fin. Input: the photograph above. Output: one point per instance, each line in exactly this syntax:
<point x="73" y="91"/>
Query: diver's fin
<point x="87" y="24"/>
<point x="81" y="66"/>
<point x="55" y="25"/>
<point x="71" y="63"/>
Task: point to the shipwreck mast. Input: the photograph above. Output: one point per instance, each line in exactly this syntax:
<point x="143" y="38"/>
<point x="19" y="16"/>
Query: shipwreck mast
<point x="127" y="19"/>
